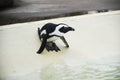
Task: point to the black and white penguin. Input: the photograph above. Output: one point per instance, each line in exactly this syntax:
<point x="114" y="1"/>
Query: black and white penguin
<point x="49" y="33"/>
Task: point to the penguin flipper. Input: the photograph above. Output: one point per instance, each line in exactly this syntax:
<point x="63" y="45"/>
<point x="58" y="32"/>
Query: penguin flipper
<point x="44" y="41"/>
<point x="64" y="40"/>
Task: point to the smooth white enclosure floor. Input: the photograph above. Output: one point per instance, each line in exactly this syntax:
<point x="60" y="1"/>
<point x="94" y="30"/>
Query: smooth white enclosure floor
<point x="94" y="52"/>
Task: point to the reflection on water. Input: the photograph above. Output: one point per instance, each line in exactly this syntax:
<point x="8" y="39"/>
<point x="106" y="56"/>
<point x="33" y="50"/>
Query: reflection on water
<point x="96" y="70"/>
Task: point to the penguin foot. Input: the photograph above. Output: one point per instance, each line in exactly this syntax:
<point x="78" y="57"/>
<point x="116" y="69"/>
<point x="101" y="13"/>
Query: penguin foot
<point x="55" y="47"/>
<point x="51" y="46"/>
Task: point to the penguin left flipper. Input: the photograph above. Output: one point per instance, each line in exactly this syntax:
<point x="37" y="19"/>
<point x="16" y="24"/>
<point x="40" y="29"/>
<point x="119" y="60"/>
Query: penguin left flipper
<point x="44" y="41"/>
<point x="39" y="32"/>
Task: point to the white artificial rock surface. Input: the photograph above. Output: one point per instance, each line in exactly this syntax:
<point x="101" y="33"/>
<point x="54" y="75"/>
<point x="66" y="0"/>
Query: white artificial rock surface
<point x="96" y="39"/>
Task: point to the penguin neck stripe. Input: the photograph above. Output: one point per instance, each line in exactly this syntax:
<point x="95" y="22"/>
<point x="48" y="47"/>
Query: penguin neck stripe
<point x="43" y="32"/>
<point x="57" y="32"/>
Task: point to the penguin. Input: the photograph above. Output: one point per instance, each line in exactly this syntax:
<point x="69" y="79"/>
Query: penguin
<point x="51" y="32"/>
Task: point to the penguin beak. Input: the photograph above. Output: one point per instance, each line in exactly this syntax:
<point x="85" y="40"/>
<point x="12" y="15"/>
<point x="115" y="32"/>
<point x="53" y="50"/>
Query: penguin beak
<point x="71" y="29"/>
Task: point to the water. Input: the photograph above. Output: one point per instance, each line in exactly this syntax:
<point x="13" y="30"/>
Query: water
<point x="101" y="69"/>
<point x="81" y="72"/>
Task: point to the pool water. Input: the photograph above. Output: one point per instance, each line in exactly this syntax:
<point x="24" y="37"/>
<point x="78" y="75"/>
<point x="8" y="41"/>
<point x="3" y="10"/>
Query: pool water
<point x="81" y="72"/>
<point x="101" y="69"/>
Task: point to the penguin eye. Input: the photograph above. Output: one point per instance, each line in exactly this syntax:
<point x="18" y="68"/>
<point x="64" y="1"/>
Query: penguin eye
<point x="62" y="29"/>
<point x="65" y="26"/>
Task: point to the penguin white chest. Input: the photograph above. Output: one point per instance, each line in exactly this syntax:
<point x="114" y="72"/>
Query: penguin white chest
<point x="52" y="39"/>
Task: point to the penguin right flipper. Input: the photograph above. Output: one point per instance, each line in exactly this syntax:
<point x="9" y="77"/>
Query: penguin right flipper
<point x="64" y="40"/>
<point x="44" y="41"/>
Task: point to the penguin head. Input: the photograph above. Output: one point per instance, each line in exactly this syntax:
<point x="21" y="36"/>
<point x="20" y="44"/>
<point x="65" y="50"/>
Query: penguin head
<point x="65" y="28"/>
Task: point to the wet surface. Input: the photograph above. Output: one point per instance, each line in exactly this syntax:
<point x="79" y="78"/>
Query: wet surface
<point x="87" y="71"/>
<point x="107" y="69"/>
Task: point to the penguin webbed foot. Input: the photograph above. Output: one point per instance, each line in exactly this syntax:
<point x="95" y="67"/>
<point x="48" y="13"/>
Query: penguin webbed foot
<point x="51" y="46"/>
<point x="55" y="47"/>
